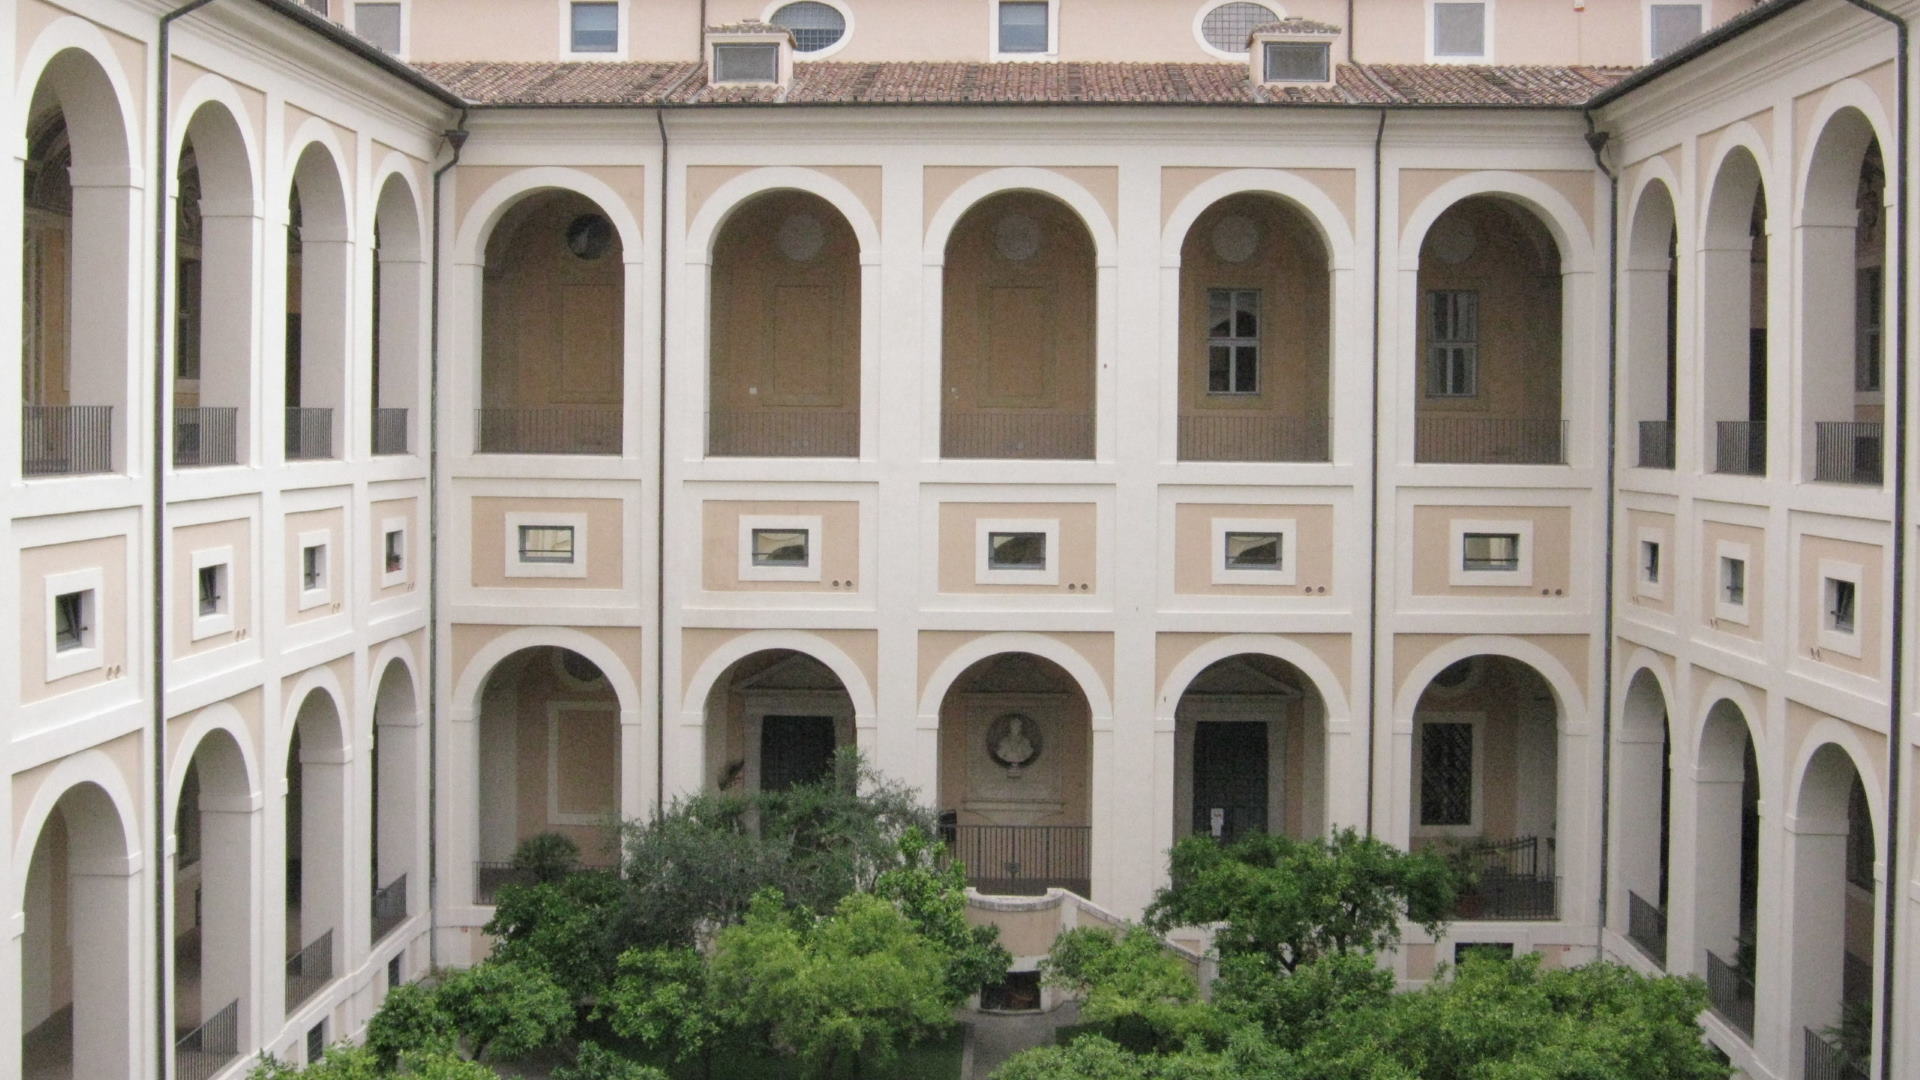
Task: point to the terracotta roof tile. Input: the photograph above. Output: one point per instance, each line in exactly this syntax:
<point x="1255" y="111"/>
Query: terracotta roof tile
<point x="1294" y="26"/>
<point x="750" y="26"/>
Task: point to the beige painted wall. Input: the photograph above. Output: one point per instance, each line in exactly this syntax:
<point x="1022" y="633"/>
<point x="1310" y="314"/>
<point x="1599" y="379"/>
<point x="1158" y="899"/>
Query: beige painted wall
<point x="1711" y="534"/>
<point x="1335" y="650"/>
<point x="838" y="548"/>
<point x="1410" y="649"/>
<point x="699" y="643"/>
<point x="332" y="521"/>
<point x="109" y="554"/>
<point x="1078" y="555"/>
<point x="552" y="322"/>
<point x="1177" y="181"/>
<point x="469" y="638"/>
<point x="937" y="645"/>
<point x="605" y="552"/>
<point x="1869" y="602"/>
<point x="234" y="534"/>
<point x="1432" y="549"/>
<point x="413" y="550"/>
<point x="1194" y="557"/>
<point x="1661" y="526"/>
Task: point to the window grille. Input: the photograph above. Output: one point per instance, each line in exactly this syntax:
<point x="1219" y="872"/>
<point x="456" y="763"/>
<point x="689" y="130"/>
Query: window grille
<point x="1254" y="551"/>
<point x="313" y="567"/>
<point x="210" y="589"/>
<point x="1233" y="341"/>
<point x="746" y="63"/>
<point x="1840" y="606"/>
<point x="1460" y="30"/>
<point x="1453" y="353"/>
<point x="1733" y="581"/>
<point x="1673" y="25"/>
<point x="1490" y="551"/>
<point x="596" y="28"/>
<point x="1297" y="61"/>
<point x="1228" y="26"/>
<point x="814" y="25"/>
<point x="1016" y="551"/>
<point x="780" y="547"/>
<point x="1023" y="26"/>
<point x="1650" y="561"/>
<point x="1446" y="774"/>
<point x="546" y="543"/>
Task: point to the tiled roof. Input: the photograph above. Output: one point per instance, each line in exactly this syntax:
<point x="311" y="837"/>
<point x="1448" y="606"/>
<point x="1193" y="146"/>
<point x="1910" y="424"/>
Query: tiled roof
<point x="1067" y="83"/>
<point x="750" y="26"/>
<point x="1294" y="26"/>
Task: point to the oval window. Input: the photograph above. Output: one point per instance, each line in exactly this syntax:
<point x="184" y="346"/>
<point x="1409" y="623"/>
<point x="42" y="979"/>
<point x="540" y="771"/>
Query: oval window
<point x="815" y="26"/>
<point x="1228" y="26"/>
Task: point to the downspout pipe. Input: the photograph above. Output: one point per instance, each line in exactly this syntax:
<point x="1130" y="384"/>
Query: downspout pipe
<point x="1597" y="142"/>
<point x="1896" y="665"/>
<point x="660" y="495"/>
<point x="1373" y="481"/>
<point x="157" y="515"/>
<point x="456" y="138"/>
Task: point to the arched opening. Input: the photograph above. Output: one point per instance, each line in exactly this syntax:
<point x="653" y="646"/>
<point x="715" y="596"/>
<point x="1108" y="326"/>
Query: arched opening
<point x="77" y="214"/>
<point x="1843" y="248"/>
<point x="784" y="370"/>
<point x="394" y="857"/>
<point x="1486" y="783"/>
<point x="1727" y="863"/>
<point x="774" y="720"/>
<point x="1017" y="352"/>
<point x="213" y="828"/>
<point x="316" y="847"/>
<point x="1733" y="313"/>
<point x="77" y="969"/>
<point x="549" y="761"/>
<point x="399" y="283"/>
<point x="319" y="265"/>
<point x="1015" y="776"/>
<point x="1255" y="302"/>
<point x="1250" y="752"/>
<point x="1488" y="388"/>
<point x="1834" y="859"/>
<point x="215" y="222"/>
<point x="1651" y="288"/>
<point x="1643" y="767"/>
<point x="553" y="327"/>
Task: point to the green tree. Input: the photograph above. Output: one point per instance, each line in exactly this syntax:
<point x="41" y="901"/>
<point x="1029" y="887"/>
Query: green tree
<point x="566" y="927"/>
<point x="506" y="1009"/>
<point x="850" y="988"/>
<point x="546" y="856"/>
<point x="361" y="1063"/>
<point x="1294" y="901"/>
<point x="410" y="1021"/>
<point x="1287" y="1007"/>
<point x="935" y="899"/>
<point x="1142" y="996"/>
<point x="595" y="1062"/>
<point x="663" y="999"/>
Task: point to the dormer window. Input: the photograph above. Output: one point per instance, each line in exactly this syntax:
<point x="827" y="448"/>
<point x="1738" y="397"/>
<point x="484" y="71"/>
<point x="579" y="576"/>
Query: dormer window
<point x="750" y="53"/>
<point x="746" y="63"/>
<point x="1297" y="61"/>
<point x="1293" y="51"/>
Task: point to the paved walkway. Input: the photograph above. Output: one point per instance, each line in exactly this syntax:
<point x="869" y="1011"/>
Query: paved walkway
<point x="993" y="1038"/>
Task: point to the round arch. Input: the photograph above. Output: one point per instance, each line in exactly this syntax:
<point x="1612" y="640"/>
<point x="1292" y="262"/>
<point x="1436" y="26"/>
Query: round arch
<point x="1655" y="216"/>
<point x="1717" y="690"/>
<point x="220" y="721"/>
<point x="323" y="681"/>
<point x="1814" y="799"/>
<point x="852" y="679"/>
<point x="396" y="200"/>
<point x="327" y="169"/>
<point x="1330" y="225"/>
<point x="1729" y="192"/>
<point x="1562" y="222"/>
<point x="1068" y="659"/>
<point x="1333" y="700"/>
<point x="719" y="208"/>
<point x="97" y="120"/>
<point x="1093" y="217"/>
<point x="397" y="651"/>
<point x="470" y="242"/>
<point x="90" y="768"/>
<point x="1569" y="702"/>
<point x="1821" y="172"/>
<point x="473" y="680"/>
<point x="224" y="150"/>
<point x="1642" y="664"/>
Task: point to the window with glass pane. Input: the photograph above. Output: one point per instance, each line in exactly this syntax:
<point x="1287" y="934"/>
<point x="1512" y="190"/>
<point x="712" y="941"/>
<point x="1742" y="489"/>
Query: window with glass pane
<point x="1016" y="551"/>
<point x="1490" y="551"/>
<point x="814" y="25"/>
<point x="746" y="63"/>
<point x="546" y="543"/>
<point x="379" y="24"/>
<point x="1649" y="561"/>
<point x="1233" y="341"/>
<point x="1297" y="61"/>
<point x="780" y="547"/>
<point x="1453" y="350"/>
<point x="596" y="27"/>
<point x="1840" y="606"/>
<point x="1254" y="551"/>
<point x="70" y="619"/>
<point x="1867" y="323"/>
<point x="212" y="589"/>
<point x="1023" y="26"/>
<point x="313" y="566"/>
<point x="1460" y="30"/>
<point x="1673" y="26"/>
<point x="1733" y="581"/>
<point x="1446" y="774"/>
<point x="396" y="544"/>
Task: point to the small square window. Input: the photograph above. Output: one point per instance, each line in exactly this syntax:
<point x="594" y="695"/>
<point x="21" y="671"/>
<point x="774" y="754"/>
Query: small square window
<point x="1023" y="26"/>
<point x="746" y="63"/>
<point x="1650" y="562"/>
<point x="595" y="28"/>
<point x="780" y="547"/>
<point x="73" y="640"/>
<point x="73" y="621"/>
<point x="1733" y="581"/>
<point x="313" y="567"/>
<point x="210" y="586"/>
<point x="1490" y="551"/>
<point x="396" y="551"/>
<point x="546" y="544"/>
<point x="1016" y="551"/>
<point x="379" y="24"/>
<point x="1839" y="604"/>
<point x="1460" y="30"/>
<point x="1255" y="550"/>
<point x="1296" y="61"/>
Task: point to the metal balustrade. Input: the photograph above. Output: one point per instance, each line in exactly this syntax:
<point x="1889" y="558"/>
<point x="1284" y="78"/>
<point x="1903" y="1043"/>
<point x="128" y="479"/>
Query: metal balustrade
<point x="1252" y="437"/>
<point x="389" y="431"/>
<point x="389" y="907"/>
<point x="784" y="433"/>
<point x="66" y="440"/>
<point x="1512" y="880"/>
<point x="1647" y="927"/>
<point x="1847" y="453"/>
<point x="490" y="877"/>
<point x="1017" y="434"/>
<point x="204" y="1051"/>
<point x="1488" y="440"/>
<point x="1730" y="993"/>
<point x="1656" y="444"/>
<point x="1023" y="860"/>
<point x="205" y="435"/>
<point x="549" y="429"/>
<point x="309" y="434"/>
<point x="1740" y="447"/>
<point x="1825" y="1060"/>
<point x="309" y="969"/>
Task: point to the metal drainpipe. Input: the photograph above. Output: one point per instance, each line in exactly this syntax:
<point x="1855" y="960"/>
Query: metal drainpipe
<point x="456" y="138"/>
<point x="1597" y="142"/>
<point x="660" y="497"/>
<point x="163" y="1040"/>
<point x="1896" y="680"/>
<point x="1373" y="484"/>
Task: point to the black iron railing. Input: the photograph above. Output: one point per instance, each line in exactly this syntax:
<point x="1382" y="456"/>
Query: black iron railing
<point x="1730" y="993"/>
<point x="784" y="433"/>
<point x="389" y="431"/>
<point x="389" y="906"/>
<point x="1847" y="453"/>
<point x="1252" y="437"/>
<point x="309" y="434"/>
<point x="309" y="969"/>
<point x="1020" y="434"/>
<point x="1825" y="1060"/>
<point x="1023" y="860"/>
<point x="550" y="429"/>
<point x="1740" y="447"/>
<point x="1487" y="440"/>
<point x="1647" y="927"/>
<point x="205" y="1050"/>
<point x="66" y="440"/>
<point x="1656" y="444"/>
<point x="205" y="435"/>
<point x="490" y="877"/>
<point x="1511" y="879"/>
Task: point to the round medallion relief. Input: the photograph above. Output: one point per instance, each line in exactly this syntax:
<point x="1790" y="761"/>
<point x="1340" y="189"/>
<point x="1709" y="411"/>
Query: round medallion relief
<point x="1236" y="238"/>
<point x="1453" y="241"/>
<point x="1016" y="237"/>
<point x="1013" y="742"/>
<point x="801" y="237"/>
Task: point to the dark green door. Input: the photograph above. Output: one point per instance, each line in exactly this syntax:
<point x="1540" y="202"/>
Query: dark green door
<point x="795" y="750"/>
<point x="1229" y="778"/>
